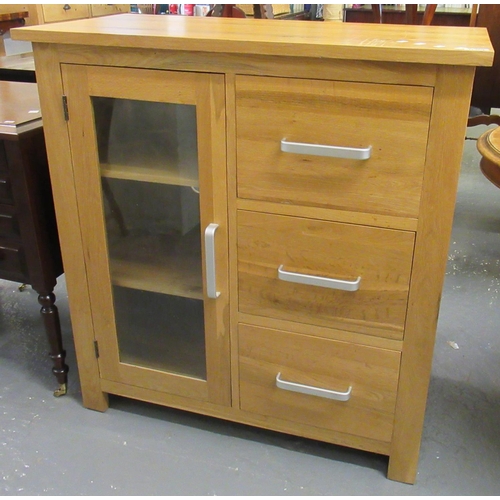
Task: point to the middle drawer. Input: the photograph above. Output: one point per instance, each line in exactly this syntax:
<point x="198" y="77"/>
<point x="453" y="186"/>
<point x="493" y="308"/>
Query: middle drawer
<point x="343" y="276"/>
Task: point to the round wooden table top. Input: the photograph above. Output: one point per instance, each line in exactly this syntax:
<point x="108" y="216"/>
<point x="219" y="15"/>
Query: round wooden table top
<point x="488" y="145"/>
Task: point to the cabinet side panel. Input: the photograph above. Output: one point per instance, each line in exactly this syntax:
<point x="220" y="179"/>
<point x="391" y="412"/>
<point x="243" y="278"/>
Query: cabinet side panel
<point x="444" y="154"/>
<point x="50" y="90"/>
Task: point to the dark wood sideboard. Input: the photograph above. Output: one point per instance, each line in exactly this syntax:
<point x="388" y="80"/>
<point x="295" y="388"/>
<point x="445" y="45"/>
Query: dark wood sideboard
<point x="29" y="243"/>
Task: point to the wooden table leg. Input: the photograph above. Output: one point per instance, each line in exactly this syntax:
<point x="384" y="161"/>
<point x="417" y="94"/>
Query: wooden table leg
<point x="50" y="315"/>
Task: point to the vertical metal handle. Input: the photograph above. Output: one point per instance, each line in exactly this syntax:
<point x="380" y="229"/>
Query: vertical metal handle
<point x="210" y="260"/>
<point x="308" y="279"/>
<point x="311" y="390"/>
<point x="305" y="148"/>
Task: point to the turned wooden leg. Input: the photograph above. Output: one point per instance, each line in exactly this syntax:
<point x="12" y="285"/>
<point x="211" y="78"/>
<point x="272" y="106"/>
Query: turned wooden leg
<point x="50" y="316"/>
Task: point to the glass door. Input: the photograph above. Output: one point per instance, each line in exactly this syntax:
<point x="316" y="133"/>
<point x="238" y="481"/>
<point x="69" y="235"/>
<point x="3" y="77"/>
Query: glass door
<point x="149" y="163"/>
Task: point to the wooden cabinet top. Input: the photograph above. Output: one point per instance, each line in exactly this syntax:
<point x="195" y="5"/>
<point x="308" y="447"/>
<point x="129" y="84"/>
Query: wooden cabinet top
<point x="369" y="42"/>
<point x="19" y="107"/>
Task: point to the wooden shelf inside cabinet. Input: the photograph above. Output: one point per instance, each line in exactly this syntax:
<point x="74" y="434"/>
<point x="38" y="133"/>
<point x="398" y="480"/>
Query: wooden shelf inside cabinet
<point x="158" y="175"/>
<point x="161" y="268"/>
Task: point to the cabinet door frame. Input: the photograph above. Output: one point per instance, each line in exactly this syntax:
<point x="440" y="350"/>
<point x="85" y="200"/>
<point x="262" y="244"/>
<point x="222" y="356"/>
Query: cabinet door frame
<point x="206" y="92"/>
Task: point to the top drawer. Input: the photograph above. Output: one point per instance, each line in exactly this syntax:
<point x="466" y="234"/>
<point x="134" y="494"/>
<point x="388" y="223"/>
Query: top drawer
<point x="391" y="119"/>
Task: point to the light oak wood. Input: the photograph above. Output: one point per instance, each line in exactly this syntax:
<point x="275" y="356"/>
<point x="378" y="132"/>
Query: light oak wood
<point x="50" y="90"/>
<point x="332" y="114"/>
<point x="447" y="130"/>
<point x="253" y="64"/>
<point x="147" y="174"/>
<point x="320" y="331"/>
<point x="105" y="9"/>
<point x="331" y="365"/>
<point x="232" y="224"/>
<point x="194" y="89"/>
<point x="50" y="13"/>
<point x="362" y="218"/>
<point x="236" y="415"/>
<point x="415" y="44"/>
<point x="254" y="75"/>
<point x="382" y="258"/>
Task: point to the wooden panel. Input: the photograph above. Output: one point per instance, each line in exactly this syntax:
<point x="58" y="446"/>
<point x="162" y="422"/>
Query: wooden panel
<point x="372" y="373"/>
<point x="66" y="12"/>
<point x="296" y="67"/>
<point x="8" y="221"/>
<point x="61" y="172"/>
<point x="5" y="189"/>
<point x="236" y="415"/>
<point x="393" y="120"/>
<point x="363" y="218"/>
<point x="448" y="128"/>
<point x="434" y="45"/>
<point x="16" y="112"/>
<point x="12" y="262"/>
<point x="381" y="257"/>
<point x="104" y="9"/>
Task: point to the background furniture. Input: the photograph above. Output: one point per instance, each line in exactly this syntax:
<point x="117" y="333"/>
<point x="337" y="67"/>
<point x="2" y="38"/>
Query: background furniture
<point x="29" y="243"/>
<point x="274" y="272"/>
<point x="486" y="90"/>
<point x="391" y="14"/>
<point x="18" y="68"/>
<point x="11" y="16"/>
<point x="411" y="14"/>
<point x="50" y="13"/>
<point x="488" y="145"/>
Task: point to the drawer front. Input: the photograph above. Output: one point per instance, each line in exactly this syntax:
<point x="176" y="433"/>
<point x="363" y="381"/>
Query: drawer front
<point x="104" y="9"/>
<point x="5" y="189"/>
<point x="391" y="119"/>
<point x="64" y="12"/>
<point x="381" y="258"/>
<point x="12" y="263"/>
<point x="369" y="375"/>
<point x="8" y="221"/>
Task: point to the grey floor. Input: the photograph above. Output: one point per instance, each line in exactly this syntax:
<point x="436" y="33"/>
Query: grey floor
<point x="54" y="446"/>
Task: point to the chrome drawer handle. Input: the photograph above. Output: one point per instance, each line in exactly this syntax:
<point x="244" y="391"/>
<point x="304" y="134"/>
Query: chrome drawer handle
<point x="210" y="260"/>
<point x="308" y="279"/>
<point x="304" y="148"/>
<point x="311" y="390"/>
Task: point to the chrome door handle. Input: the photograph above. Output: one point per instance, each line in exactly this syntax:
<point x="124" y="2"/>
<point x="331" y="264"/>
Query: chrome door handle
<point x="304" y="148"/>
<point x="210" y="260"/>
<point x="311" y="390"/>
<point x="309" y="279"/>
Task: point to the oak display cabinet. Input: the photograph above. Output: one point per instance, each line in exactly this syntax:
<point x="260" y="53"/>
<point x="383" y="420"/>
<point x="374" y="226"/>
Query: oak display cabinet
<point x="254" y="215"/>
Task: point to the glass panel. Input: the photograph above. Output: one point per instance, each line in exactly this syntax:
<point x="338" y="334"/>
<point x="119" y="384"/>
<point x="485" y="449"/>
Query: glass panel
<point x="149" y="173"/>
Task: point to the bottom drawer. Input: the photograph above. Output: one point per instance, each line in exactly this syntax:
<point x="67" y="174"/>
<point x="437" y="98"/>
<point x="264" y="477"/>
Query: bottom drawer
<point x="364" y="379"/>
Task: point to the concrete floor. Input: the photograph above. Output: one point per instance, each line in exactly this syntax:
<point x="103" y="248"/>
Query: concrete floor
<point x="51" y="446"/>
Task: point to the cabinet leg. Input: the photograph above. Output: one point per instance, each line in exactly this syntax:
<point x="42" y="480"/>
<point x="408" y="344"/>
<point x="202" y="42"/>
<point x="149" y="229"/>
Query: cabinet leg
<point x="50" y="316"/>
<point x="402" y="470"/>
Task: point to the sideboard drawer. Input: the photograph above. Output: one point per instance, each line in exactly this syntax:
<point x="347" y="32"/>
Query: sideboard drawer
<point x="12" y="264"/>
<point x="8" y="221"/>
<point x="392" y="121"/>
<point x="366" y="379"/>
<point x="381" y="258"/>
<point x="5" y="189"/>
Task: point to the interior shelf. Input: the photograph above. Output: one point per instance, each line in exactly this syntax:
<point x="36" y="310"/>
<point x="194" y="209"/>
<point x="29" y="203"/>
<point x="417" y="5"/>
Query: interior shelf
<point x="168" y="265"/>
<point x="159" y="175"/>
